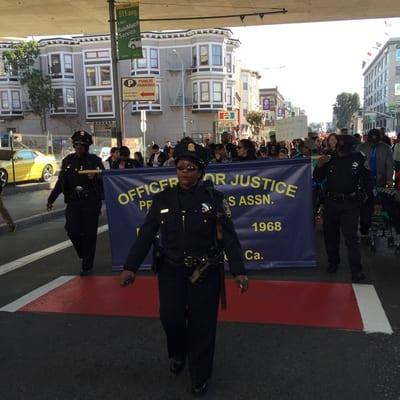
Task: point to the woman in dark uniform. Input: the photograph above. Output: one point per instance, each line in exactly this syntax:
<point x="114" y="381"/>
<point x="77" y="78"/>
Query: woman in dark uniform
<point x="187" y="217"/>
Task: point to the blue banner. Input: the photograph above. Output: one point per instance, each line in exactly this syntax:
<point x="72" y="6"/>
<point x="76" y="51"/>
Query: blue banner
<point x="270" y="201"/>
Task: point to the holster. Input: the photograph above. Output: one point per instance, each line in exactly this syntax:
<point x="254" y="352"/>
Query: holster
<point x="158" y="256"/>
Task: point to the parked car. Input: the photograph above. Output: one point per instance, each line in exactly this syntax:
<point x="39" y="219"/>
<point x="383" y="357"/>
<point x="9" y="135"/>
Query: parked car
<point x="28" y="165"/>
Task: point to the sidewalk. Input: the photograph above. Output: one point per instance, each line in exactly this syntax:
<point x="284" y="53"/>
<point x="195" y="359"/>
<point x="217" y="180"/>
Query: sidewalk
<point x="30" y="207"/>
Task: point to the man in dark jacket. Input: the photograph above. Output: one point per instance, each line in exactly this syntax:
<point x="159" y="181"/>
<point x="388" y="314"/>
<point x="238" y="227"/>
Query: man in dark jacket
<point x="5" y="214"/>
<point x="195" y="227"/>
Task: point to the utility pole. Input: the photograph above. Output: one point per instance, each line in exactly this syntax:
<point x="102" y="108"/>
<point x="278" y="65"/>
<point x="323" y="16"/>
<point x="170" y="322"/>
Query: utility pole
<point x="114" y="63"/>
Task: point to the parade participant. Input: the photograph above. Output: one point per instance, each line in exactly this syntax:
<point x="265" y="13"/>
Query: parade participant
<point x="246" y="150"/>
<point x="83" y="194"/>
<point x="188" y="262"/>
<point x="5" y="214"/>
<point x="230" y="148"/>
<point x="114" y="155"/>
<point x="347" y="180"/>
<point x="124" y="160"/>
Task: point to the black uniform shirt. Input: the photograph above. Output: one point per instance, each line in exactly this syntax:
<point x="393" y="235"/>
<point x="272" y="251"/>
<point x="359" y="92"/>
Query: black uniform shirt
<point x="187" y="223"/>
<point x="69" y="178"/>
<point x="344" y="174"/>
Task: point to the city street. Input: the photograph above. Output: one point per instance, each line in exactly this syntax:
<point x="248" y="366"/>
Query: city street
<point x="71" y="356"/>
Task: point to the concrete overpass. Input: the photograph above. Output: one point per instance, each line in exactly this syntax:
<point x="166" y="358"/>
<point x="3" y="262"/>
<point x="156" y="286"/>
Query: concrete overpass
<point x="49" y="17"/>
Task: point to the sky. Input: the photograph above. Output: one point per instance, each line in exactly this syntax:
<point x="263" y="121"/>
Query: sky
<point x="312" y="63"/>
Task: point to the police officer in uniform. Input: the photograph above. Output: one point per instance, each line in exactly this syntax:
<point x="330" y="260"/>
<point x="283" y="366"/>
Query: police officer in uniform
<point x="83" y="195"/>
<point x="347" y="184"/>
<point x="189" y="219"/>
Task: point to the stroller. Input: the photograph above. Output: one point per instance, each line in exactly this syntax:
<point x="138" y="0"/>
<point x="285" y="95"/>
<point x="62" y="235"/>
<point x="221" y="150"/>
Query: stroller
<point x="387" y="223"/>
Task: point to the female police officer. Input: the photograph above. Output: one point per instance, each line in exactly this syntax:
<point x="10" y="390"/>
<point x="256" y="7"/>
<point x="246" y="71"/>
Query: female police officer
<point x="188" y="217"/>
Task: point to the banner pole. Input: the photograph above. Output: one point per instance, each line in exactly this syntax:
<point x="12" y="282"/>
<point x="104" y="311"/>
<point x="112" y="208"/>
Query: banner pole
<point x="114" y="62"/>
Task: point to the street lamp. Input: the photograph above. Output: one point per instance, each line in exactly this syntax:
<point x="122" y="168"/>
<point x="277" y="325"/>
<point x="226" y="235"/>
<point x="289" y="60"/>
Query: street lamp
<point x="183" y="92"/>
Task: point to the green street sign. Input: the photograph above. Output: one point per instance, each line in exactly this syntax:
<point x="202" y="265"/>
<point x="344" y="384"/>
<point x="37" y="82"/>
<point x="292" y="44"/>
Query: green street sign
<point x="128" y="27"/>
<point x="392" y="109"/>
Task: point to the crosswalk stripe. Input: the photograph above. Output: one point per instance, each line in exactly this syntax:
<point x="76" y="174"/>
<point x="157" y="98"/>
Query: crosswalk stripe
<point x="21" y="262"/>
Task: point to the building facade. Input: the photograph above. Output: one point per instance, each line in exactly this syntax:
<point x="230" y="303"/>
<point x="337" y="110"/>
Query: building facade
<point x="382" y="89"/>
<point x="201" y="61"/>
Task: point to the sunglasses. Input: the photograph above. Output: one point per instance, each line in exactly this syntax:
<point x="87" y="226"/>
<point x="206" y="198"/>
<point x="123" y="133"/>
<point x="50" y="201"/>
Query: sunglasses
<point x="189" y="168"/>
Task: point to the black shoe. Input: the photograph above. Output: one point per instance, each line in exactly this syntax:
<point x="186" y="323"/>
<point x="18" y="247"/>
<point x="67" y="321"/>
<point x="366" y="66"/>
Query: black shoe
<point x="199" y="389"/>
<point x="176" y="365"/>
<point x="332" y="268"/>
<point x="357" y="276"/>
<point x="85" y="272"/>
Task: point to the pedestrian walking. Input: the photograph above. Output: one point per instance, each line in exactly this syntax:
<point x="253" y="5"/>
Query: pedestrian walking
<point x="83" y="195"/>
<point x="195" y="227"/>
<point x="347" y="180"/>
<point x="5" y="215"/>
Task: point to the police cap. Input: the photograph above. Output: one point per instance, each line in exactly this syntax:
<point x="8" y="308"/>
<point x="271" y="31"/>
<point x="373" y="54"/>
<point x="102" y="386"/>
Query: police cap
<point x="82" y="137"/>
<point x="188" y="150"/>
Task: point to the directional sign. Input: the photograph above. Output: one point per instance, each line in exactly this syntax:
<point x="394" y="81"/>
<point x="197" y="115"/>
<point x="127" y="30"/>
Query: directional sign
<point x="226" y="116"/>
<point x="138" y="89"/>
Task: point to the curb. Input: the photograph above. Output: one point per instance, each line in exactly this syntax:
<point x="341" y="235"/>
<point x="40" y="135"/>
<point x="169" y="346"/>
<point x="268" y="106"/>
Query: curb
<point x="33" y="220"/>
<point x="11" y="189"/>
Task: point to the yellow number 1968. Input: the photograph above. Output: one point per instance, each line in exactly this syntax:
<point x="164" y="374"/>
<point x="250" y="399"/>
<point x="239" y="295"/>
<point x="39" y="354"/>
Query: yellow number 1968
<point x="268" y="226"/>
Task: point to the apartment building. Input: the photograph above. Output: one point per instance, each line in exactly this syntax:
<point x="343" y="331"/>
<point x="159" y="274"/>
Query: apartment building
<point x="81" y="75"/>
<point x="382" y="88"/>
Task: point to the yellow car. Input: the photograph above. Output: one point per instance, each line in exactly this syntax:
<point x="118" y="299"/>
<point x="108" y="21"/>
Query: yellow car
<point x="28" y="165"/>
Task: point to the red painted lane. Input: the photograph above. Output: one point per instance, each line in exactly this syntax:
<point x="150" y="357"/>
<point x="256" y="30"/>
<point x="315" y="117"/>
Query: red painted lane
<point x="331" y="305"/>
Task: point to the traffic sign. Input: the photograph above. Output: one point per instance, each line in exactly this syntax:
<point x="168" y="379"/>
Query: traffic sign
<point x="226" y="116"/>
<point x="138" y="89"/>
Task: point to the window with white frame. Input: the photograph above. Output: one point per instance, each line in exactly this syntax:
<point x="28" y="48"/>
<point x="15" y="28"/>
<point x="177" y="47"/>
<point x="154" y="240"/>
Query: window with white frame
<point x="217" y="92"/>
<point x="92" y="104"/>
<point x="216" y="54"/>
<point x="4" y="102"/>
<point x="229" y="63"/>
<point x="142" y="62"/>
<point x="228" y="96"/>
<point x="194" y="56"/>
<point x="204" y="92"/>
<point x="195" y="92"/>
<point x="99" y="104"/>
<point x="92" y="55"/>
<point x="203" y="54"/>
<point x="16" y="99"/>
<point x="154" y="58"/>
<point x="98" y="75"/>
<point x="70" y="97"/>
<point x="55" y="64"/>
<point x="59" y="98"/>
<point x="68" y="64"/>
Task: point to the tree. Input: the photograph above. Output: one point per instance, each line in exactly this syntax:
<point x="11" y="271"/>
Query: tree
<point x="346" y="106"/>
<point x="21" y="60"/>
<point x="256" y="120"/>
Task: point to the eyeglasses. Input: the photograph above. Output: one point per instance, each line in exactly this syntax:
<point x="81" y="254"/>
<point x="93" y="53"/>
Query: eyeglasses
<point x="189" y="168"/>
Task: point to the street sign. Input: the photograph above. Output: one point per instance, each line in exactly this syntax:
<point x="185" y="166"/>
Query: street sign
<point x="392" y="109"/>
<point x="129" y="41"/>
<point x="138" y="89"/>
<point x="226" y="116"/>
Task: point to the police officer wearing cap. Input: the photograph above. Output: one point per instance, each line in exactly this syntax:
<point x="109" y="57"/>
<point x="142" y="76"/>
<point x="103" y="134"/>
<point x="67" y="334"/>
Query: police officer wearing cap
<point x="83" y="195"/>
<point x="348" y="182"/>
<point x="187" y="219"/>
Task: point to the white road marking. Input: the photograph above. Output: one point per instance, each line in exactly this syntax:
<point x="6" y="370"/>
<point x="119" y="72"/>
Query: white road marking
<point x="371" y="310"/>
<point x="35" y="294"/>
<point x="21" y="262"/>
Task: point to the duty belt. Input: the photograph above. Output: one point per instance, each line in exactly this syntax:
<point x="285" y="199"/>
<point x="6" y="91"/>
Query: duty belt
<point x="342" y="196"/>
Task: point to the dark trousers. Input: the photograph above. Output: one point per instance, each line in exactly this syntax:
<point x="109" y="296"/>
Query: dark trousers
<point x="82" y="220"/>
<point x="344" y="216"/>
<point x="189" y="318"/>
<point x="366" y="212"/>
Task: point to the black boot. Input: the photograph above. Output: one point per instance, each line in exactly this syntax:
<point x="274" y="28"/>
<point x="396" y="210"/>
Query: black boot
<point x="176" y="365"/>
<point x="199" y="389"/>
<point x="357" y="276"/>
<point x="332" y="268"/>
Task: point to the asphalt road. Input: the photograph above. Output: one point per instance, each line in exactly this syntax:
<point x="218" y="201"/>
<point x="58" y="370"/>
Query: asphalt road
<point x="75" y="357"/>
